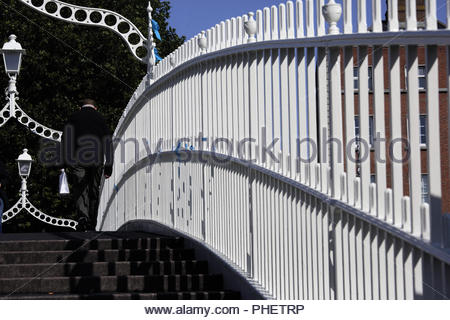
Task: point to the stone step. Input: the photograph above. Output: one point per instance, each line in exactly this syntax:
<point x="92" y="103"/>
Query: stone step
<point x="103" y="269"/>
<point x="95" y="244"/>
<point x="125" y="284"/>
<point x="183" y="295"/>
<point x="81" y="255"/>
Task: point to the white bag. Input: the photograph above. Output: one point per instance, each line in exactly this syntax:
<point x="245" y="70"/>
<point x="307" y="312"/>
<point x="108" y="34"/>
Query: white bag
<point x="63" y="184"/>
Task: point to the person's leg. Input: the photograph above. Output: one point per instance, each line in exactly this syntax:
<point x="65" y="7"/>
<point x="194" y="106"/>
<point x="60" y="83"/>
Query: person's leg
<point x="1" y="213"/>
<point x="94" y="194"/>
<point x="78" y="178"/>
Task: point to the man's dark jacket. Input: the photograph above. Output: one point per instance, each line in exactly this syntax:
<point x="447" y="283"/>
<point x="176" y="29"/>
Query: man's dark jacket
<point x="87" y="140"/>
<point x="4" y="181"/>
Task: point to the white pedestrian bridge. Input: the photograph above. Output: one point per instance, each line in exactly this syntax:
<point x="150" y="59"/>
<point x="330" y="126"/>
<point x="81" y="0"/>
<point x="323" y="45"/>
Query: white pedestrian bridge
<point x="332" y="213"/>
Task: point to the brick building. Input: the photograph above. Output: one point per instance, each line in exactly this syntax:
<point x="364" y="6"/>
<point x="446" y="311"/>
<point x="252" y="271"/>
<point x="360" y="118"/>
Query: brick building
<point x="443" y="109"/>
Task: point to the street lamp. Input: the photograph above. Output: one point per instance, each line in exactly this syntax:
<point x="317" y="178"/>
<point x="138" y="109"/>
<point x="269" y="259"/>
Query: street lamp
<point x="12" y="56"/>
<point x="24" y="164"/>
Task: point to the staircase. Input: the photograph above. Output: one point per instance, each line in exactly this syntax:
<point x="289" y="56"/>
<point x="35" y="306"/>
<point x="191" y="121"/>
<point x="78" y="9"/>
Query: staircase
<point x="104" y="266"/>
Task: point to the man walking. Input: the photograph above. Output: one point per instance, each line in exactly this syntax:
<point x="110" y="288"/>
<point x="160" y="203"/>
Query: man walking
<point x="88" y="152"/>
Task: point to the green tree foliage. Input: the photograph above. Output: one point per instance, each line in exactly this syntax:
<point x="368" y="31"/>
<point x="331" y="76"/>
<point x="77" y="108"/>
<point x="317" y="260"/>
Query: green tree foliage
<point x="65" y="63"/>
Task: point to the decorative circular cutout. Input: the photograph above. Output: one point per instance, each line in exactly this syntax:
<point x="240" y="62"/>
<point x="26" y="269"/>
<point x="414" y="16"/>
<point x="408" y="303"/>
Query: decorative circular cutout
<point x="134" y="38"/>
<point x="123" y="27"/>
<point x="95" y="17"/>
<point x="66" y="223"/>
<point x="80" y="15"/>
<point x="39" y="129"/>
<point x="56" y="136"/>
<point x="24" y="120"/>
<point x="60" y="222"/>
<point x="47" y="133"/>
<point x="141" y="52"/>
<point x="32" y="125"/>
<point x="6" y="114"/>
<point x="65" y="12"/>
<point x="18" y="113"/>
<point x="51" y="7"/>
<point x="53" y="221"/>
<point x="47" y="219"/>
<point x="27" y="205"/>
<point x="37" y="3"/>
<point x="110" y="20"/>
<point x="42" y="217"/>
<point x="32" y="210"/>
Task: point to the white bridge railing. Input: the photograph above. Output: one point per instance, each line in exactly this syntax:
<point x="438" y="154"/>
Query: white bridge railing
<point x="325" y="221"/>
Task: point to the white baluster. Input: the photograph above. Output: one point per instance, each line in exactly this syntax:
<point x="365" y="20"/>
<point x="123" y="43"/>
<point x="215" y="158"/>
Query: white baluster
<point x="388" y="205"/>
<point x="282" y="15"/>
<point x="222" y="35"/>
<point x="240" y="30"/>
<point x="267" y="24"/>
<point x="348" y="23"/>
<point x="362" y="16"/>
<point x="310" y="18"/>
<point x="320" y="18"/>
<point x="425" y="217"/>
<point x="274" y="26"/>
<point x="299" y="18"/>
<point x="344" y="195"/>
<point x="433" y="143"/>
<point x="332" y="13"/>
<point x="228" y="33"/>
<point x="233" y="31"/>
<point x="393" y="15"/>
<point x="217" y="38"/>
<point x="411" y="16"/>
<point x="209" y="35"/>
<point x="376" y="16"/>
<point x="431" y="19"/>
<point x="259" y="23"/>
<point x="373" y="198"/>
<point x="358" y="202"/>
<point x="290" y="22"/>
<point x="406" y="209"/>
<point x="251" y="28"/>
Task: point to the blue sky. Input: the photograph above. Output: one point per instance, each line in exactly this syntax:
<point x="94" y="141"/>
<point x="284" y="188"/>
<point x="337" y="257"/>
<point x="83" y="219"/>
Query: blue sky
<point x="190" y="17"/>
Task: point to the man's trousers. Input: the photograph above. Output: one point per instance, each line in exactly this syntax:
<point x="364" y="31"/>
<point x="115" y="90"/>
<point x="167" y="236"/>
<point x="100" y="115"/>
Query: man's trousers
<point x="85" y="184"/>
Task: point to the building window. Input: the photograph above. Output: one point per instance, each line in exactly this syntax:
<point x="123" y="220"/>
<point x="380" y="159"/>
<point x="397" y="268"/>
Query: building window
<point x="373" y="178"/>
<point x="357" y="129"/>
<point x="356" y="78"/>
<point x="371" y="130"/>
<point x="425" y="189"/>
<point x="423" y="130"/>
<point x="422" y="78"/>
